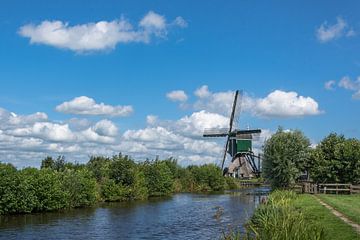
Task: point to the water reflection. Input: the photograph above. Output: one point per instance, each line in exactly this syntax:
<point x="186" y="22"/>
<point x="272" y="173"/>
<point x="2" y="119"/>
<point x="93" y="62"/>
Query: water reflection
<point x="183" y="216"/>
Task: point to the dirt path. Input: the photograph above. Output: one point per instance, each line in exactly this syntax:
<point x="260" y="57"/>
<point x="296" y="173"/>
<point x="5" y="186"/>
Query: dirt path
<point x="340" y="215"/>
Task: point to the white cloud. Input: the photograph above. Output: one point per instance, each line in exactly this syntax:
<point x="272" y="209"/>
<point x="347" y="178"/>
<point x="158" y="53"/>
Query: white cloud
<point x="327" y="32"/>
<point x="95" y="36"/>
<point x="329" y="85"/>
<point x="21" y="120"/>
<point x="105" y="128"/>
<point x="195" y="124"/>
<point x="283" y="104"/>
<point x="278" y="104"/>
<point x="202" y="92"/>
<point x="351" y="85"/>
<point x="92" y="135"/>
<point x="177" y="95"/>
<point x="153" y="21"/>
<point x="46" y="131"/>
<point x="87" y="106"/>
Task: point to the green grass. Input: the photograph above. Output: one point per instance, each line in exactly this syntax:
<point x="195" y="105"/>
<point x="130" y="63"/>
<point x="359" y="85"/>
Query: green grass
<point x="349" y="205"/>
<point x="334" y="227"/>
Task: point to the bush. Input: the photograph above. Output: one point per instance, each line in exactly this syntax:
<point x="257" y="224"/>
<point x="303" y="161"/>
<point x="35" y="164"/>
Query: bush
<point x="207" y="177"/>
<point x="112" y="192"/>
<point x="80" y="188"/>
<point x="158" y="177"/>
<point x="336" y="159"/>
<point x="286" y="155"/>
<point x="278" y="220"/>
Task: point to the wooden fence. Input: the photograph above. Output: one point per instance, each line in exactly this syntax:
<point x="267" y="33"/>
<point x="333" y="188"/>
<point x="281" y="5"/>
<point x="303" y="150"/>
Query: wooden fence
<point x="330" y="188"/>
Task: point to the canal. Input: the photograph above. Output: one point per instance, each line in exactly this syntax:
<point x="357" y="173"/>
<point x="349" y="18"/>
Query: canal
<point x="182" y="216"/>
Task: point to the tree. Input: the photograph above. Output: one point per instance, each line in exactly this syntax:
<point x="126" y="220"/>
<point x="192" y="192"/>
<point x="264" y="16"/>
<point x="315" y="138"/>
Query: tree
<point x="8" y="186"/>
<point x="48" y="162"/>
<point x="159" y="179"/>
<point x="80" y="187"/>
<point x="122" y="170"/>
<point x="99" y="166"/>
<point x="336" y="159"/>
<point x="286" y="155"/>
<point x="207" y="177"/>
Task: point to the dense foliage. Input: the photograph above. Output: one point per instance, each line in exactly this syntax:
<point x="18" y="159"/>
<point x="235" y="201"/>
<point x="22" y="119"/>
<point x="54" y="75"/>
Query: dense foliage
<point x="60" y="184"/>
<point x="286" y="156"/>
<point x="336" y="159"/>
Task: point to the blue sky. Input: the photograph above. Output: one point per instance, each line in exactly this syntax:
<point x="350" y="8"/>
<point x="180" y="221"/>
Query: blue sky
<point x="260" y="47"/>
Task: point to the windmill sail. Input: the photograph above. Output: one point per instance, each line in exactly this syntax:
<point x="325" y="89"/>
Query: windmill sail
<point x="232" y="116"/>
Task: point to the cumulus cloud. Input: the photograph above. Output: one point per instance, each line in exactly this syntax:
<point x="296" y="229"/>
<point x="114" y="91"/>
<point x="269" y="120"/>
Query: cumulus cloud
<point x="327" y="32"/>
<point x="195" y="124"/>
<point x="284" y="104"/>
<point x="177" y="96"/>
<point x="105" y="128"/>
<point x="96" y="36"/>
<point x="11" y="118"/>
<point x="37" y="136"/>
<point x="26" y="142"/>
<point x="278" y="103"/>
<point x="87" y="106"/>
<point x="46" y="131"/>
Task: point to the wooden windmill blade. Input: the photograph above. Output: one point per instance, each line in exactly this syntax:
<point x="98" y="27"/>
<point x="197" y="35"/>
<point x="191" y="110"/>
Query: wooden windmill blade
<point x="232" y="116"/>
<point x="215" y="132"/>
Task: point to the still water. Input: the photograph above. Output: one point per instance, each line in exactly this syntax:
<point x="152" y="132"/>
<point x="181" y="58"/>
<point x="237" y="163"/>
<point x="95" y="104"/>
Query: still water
<point x="183" y="216"/>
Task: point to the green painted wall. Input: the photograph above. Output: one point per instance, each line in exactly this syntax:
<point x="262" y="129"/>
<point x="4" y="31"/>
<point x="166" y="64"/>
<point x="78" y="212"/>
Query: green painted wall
<point x="243" y="145"/>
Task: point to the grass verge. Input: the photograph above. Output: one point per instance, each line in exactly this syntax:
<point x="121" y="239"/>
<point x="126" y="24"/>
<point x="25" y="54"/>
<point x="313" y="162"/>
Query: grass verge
<point x="334" y="227"/>
<point x="287" y="215"/>
<point x="348" y="205"/>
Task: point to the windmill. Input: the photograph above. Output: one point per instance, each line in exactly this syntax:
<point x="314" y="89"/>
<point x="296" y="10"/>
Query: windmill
<point x="238" y="144"/>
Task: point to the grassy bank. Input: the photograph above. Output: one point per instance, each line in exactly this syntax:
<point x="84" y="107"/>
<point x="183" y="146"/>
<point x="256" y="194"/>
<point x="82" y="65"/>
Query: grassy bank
<point x="287" y="215"/>
<point x="349" y="205"/>
<point x="334" y="228"/>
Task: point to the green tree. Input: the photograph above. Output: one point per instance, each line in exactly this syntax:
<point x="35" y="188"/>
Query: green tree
<point x="113" y="192"/>
<point x="207" y="177"/>
<point x="49" y="190"/>
<point x="159" y="179"/>
<point x="99" y="166"/>
<point x="336" y="159"/>
<point x="48" y="162"/>
<point x="8" y="186"/>
<point x="122" y="170"/>
<point x="80" y="187"/>
<point x="286" y="155"/>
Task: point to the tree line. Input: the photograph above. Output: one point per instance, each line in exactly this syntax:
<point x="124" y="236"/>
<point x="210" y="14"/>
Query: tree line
<point x="59" y="184"/>
<point x="289" y="156"/>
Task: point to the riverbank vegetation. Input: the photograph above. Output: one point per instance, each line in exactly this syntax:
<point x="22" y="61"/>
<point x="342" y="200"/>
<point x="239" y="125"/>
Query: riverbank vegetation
<point x="60" y="184"/>
<point x="288" y="157"/>
<point x="287" y="215"/>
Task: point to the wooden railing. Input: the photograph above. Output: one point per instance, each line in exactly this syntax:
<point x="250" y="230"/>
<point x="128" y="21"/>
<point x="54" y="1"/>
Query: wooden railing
<point x="330" y="188"/>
